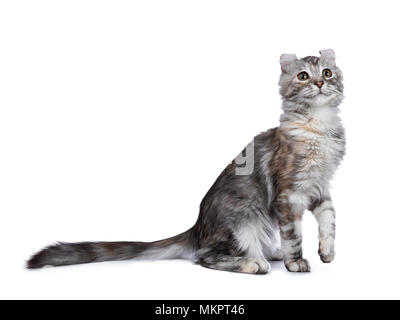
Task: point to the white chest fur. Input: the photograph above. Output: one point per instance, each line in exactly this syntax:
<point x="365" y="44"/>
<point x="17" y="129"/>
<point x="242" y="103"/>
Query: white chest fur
<point x="318" y="140"/>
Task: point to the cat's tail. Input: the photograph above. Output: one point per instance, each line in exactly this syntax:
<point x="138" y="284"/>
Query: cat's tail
<point x="62" y="254"/>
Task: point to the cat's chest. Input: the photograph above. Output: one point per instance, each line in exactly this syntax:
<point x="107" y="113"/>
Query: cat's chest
<point x="318" y="154"/>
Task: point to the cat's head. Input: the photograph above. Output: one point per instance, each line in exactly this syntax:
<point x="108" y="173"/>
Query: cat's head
<point x="310" y="81"/>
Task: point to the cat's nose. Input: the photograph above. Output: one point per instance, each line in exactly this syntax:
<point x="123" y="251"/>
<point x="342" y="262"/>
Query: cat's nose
<point x="319" y="84"/>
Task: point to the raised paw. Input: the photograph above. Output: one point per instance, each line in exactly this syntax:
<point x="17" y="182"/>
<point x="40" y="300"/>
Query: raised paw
<point x="326" y="251"/>
<point x="256" y="266"/>
<point x="300" y="265"/>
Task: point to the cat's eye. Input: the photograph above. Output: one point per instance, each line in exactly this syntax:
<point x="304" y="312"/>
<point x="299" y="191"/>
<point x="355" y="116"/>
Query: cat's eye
<point x="303" y="76"/>
<point x="327" y="73"/>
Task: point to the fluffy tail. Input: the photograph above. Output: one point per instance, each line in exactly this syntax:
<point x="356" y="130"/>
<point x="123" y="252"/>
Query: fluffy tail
<point x="62" y="254"/>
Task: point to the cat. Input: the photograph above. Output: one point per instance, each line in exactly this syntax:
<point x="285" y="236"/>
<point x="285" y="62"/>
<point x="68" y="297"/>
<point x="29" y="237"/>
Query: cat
<point x="249" y="218"/>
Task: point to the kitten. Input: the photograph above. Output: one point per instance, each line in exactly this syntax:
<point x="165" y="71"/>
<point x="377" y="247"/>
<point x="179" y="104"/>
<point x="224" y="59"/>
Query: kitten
<point x="253" y="213"/>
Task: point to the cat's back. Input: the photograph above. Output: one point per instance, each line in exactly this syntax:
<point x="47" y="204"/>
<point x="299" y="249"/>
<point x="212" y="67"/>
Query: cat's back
<point x="243" y="183"/>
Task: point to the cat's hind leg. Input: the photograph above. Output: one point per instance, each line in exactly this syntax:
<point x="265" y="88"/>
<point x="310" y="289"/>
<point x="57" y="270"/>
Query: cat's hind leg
<point x="236" y="264"/>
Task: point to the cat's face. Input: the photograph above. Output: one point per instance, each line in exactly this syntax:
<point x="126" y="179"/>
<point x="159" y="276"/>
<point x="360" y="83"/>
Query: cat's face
<point x="311" y="81"/>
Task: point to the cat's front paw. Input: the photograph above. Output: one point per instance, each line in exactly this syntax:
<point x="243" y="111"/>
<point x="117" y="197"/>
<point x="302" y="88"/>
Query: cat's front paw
<point x="326" y="251"/>
<point x="301" y="265"/>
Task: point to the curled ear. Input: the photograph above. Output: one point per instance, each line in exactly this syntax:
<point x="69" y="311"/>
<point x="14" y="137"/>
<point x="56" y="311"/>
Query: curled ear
<point x="328" y="57"/>
<point x="287" y="60"/>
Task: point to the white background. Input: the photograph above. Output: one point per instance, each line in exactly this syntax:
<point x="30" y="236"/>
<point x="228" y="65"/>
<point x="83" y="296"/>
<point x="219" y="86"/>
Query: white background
<point x="117" y="116"/>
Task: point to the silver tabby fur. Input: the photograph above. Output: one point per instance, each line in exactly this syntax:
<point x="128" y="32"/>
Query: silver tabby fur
<point x="246" y="220"/>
